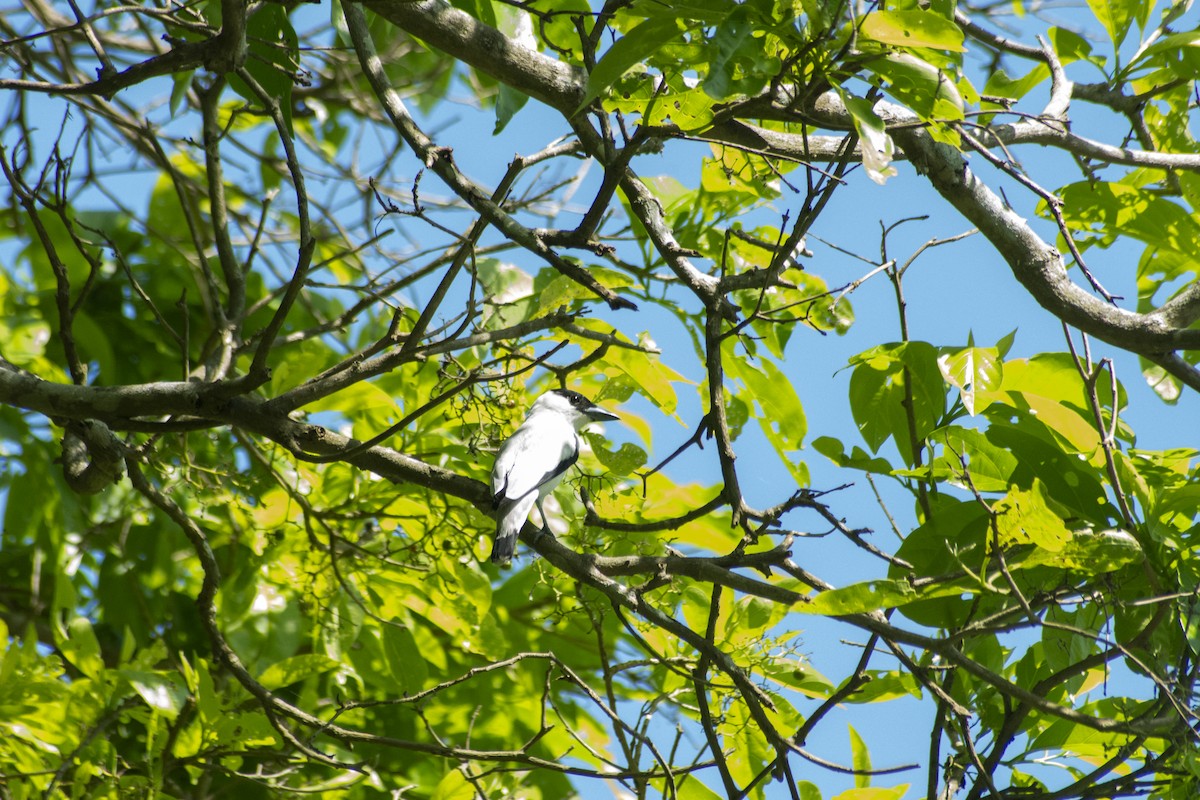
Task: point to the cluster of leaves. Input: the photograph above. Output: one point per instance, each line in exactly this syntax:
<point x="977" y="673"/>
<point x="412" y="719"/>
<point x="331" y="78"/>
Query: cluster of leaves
<point x="244" y="474"/>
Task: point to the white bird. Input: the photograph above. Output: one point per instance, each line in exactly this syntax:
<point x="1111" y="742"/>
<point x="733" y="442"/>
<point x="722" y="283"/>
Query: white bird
<point x="533" y="461"/>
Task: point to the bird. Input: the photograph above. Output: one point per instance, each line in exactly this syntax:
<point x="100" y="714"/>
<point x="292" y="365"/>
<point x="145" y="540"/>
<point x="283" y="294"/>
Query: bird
<point x="534" y="459"/>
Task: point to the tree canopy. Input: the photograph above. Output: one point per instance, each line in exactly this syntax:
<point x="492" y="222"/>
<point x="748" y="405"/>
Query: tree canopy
<point x="274" y="293"/>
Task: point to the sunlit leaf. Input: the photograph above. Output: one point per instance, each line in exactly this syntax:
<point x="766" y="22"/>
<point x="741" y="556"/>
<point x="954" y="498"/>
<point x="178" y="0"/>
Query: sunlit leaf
<point x="78" y="644"/>
<point x="976" y="371"/>
<point x="781" y="416"/>
<point x="296" y="669"/>
<point x="161" y="691"/>
<point x="969" y="459"/>
<point x="880" y="384"/>
<point x="627" y="52"/>
<point x="835" y="451"/>
<point x="1116" y="16"/>
<point x="915" y="28"/>
<point x="1104" y="209"/>
<point x="860" y="598"/>
<point x="860" y="759"/>
<point x="1025" y="517"/>
<point x="873" y="793"/>
<point x="650" y="375"/>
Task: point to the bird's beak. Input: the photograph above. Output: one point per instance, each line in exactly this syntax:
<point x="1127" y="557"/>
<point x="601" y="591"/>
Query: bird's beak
<point x="598" y="414"/>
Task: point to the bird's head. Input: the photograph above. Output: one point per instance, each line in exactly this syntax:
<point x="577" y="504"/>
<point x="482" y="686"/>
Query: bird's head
<point x="576" y="408"/>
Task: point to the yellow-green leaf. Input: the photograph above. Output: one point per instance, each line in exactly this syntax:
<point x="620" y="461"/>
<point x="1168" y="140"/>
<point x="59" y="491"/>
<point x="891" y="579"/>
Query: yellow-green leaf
<point x="873" y="793"/>
<point x="295" y="669"/>
<point x="860" y="758"/>
<point x="914" y="28"/>
<point x="859" y="598"/>
<point x="453" y="786"/>
<point x="976" y="372"/>
<point x="1025" y="517"/>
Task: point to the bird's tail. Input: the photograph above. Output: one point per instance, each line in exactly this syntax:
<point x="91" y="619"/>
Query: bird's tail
<point x="504" y="546"/>
<point x="510" y="520"/>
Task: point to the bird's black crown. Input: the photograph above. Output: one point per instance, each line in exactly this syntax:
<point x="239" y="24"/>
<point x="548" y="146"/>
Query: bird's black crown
<point x="577" y="400"/>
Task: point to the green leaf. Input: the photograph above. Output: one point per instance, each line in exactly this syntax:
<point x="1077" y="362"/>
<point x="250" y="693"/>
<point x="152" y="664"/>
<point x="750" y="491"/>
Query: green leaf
<point x="1165" y="385"/>
<point x="873" y="793"/>
<point x="1062" y="648"/>
<point x="564" y="291"/>
<point x="953" y="538"/>
<point x="860" y="598"/>
<point x="1178" y="51"/>
<point x="1133" y="481"/>
<point x="1025" y="517"/>
<point x="181" y="82"/>
<point x="920" y="85"/>
<point x="796" y="674"/>
<point x="200" y="683"/>
<point x="517" y="25"/>
<point x="860" y="759"/>
<point x="731" y="34"/>
<point x="95" y="345"/>
<point x="653" y="379"/>
<point x="690" y="788"/>
<point x="990" y="467"/>
<point x="1049" y="387"/>
<point x="808" y="791"/>
<point x="1182" y="500"/>
<point x="1116" y="16"/>
<point x="404" y="658"/>
<point x="690" y="109"/>
<point x="622" y="461"/>
<point x="884" y="686"/>
<point x="627" y="52"/>
<point x="340" y="626"/>
<point x="694" y="604"/>
<point x="508" y="102"/>
<point x="274" y="57"/>
<point x="915" y="28"/>
<point x="561" y="292"/>
<point x="877" y="394"/>
<point x="1006" y="342"/>
<point x="1102" y="210"/>
<point x="746" y="739"/>
<point x="781" y="415"/>
<point x="1001" y="84"/>
<point x="975" y="371"/>
<point x="1070" y="46"/>
<point x="453" y="786"/>
<point x="78" y="644"/>
<point x="510" y="290"/>
<point x="877" y="145"/>
<point x="356" y="399"/>
<point x="295" y="669"/>
<point x="25" y="341"/>
<point x="835" y="451"/>
<point x="1042" y="454"/>
<point x="161" y="691"/>
<point x="1090" y="552"/>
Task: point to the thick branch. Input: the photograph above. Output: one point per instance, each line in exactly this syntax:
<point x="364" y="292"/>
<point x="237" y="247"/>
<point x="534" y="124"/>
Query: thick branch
<point x="488" y="50"/>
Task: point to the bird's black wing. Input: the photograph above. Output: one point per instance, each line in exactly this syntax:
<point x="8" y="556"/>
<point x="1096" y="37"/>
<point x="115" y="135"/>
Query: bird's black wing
<point x="522" y="451"/>
<point x="503" y="495"/>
